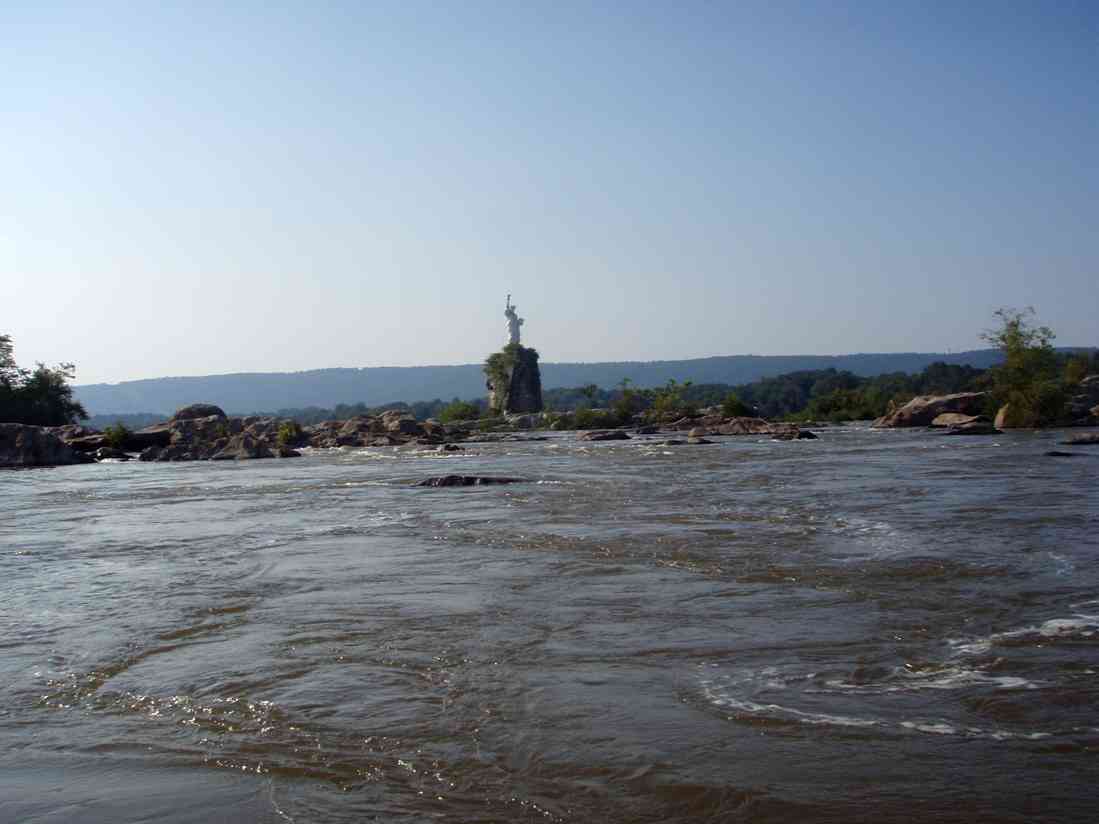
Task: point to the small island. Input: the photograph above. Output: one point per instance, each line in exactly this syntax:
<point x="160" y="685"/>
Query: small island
<point x="514" y="381"/>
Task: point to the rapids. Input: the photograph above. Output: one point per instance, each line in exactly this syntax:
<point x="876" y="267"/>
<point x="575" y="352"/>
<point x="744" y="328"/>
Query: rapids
<point x="874" y="626"/>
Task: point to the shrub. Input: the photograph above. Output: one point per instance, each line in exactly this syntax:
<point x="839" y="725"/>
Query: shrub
<point x="289" y="433"/>
<point x="117" y="435"/>
<point x="458" y="410"/>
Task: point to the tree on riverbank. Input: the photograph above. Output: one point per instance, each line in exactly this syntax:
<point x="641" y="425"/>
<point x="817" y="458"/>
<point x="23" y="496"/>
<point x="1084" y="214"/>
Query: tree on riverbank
<point x="40" y="397"/>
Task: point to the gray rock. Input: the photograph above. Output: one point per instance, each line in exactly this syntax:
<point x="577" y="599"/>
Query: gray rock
<point x="957" y="419"/>
<point x="198" y="410"/>
<point x="921" y="411"/>
<point x="88" y="443"/>
<point x="159" y="434"/>
<point x="243" y="447"/>
<point x="25" y="446"/>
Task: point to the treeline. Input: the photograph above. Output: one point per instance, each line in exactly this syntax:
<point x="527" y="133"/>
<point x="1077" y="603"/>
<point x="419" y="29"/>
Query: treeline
<point x="815" y="394"/>
<point x="40" y="396"/>
<point x="824" y="394"/>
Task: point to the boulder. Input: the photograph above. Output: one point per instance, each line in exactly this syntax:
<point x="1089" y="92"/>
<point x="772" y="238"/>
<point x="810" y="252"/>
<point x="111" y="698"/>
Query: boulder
<point x="922" y="410"/>
<point x="683" y="424"/>
<point x="159" y="434"/>
<point x="1085" y="399"/>
<point x="466" y="480"/>
<point x="698" y="440"/>
<point x="287" y="452"/>
<point x="697" y="432"/>
<point x="743" y="426"/>
<point x="957" y="419"/>
<point x="198" y="410"/>
<point x="404" y="426"/>
<point x="88" y="443"/>
<point x="647" y="430"/>
<point x="605" y="435"/>
<point x="241" y="448"/>
<point x="71" y="430"/>
<point x="24" y="446"/>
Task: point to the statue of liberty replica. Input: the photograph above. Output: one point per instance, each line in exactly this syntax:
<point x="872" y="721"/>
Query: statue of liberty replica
<point x="514" y="381"/>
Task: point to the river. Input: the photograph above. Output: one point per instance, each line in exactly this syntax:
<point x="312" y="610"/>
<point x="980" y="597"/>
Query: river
<point x="874" y="626"/>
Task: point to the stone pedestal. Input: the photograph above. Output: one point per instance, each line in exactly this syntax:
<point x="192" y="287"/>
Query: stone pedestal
<point x="514" y="381"/>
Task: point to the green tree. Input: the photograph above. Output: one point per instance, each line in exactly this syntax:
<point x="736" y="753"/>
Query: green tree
<point x="9" y="372"/>
<point x="1028" y="379"/>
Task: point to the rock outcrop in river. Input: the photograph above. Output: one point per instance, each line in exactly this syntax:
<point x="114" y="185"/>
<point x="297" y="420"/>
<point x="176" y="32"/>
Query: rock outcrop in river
<point x="203" y="432"/>
<point x="23" y="446"/>
<point x="923" y="410"/>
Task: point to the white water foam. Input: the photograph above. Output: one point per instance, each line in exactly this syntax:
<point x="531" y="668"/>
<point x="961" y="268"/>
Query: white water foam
<point x="1080" y="626"/>
<point x="726" y="695"/>
<point x="902" y="679"/>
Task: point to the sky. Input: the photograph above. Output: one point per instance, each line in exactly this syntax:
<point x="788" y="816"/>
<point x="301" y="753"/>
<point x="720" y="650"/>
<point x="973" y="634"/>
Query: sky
<point x="201" y="188"/>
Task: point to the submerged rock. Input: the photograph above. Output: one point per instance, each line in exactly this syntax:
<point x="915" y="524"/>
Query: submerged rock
<point x="467" y="480"/>
<point x="790" y="432"/>
<point x="1055" y="453"/>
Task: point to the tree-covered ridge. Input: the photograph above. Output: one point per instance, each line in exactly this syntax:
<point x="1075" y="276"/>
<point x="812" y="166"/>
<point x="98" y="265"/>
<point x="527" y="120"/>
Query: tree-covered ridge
<point x="40" y="396"/>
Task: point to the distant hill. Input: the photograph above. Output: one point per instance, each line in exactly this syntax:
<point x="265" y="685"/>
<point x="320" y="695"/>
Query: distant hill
<point x="270" y="391"/>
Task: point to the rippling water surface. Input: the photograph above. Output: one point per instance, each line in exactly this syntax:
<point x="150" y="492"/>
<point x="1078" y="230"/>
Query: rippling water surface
<point x="874" y="626"/>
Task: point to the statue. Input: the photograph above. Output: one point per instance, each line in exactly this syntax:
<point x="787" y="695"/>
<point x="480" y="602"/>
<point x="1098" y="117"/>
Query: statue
<point x="514" y="322"/>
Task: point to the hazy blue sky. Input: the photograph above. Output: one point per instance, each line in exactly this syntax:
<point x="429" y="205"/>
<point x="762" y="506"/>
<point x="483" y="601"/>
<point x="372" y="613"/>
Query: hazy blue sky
<point x="280" y="186"/>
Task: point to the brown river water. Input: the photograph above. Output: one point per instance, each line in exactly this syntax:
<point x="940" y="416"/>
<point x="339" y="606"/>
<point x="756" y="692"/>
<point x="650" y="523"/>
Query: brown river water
<point x="874" y="626"/>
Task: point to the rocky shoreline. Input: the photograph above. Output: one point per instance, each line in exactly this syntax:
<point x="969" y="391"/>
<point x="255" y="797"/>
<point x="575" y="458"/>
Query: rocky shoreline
<point x="203" y="432"/>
